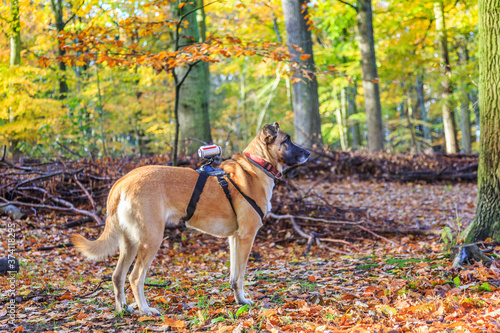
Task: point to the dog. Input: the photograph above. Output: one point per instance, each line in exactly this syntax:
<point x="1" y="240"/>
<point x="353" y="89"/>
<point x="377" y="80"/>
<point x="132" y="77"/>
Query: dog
<point x="142" y="202"/>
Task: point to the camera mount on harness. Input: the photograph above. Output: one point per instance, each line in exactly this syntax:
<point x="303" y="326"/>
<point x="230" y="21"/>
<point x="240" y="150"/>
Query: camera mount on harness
<point x="209" y="153"/>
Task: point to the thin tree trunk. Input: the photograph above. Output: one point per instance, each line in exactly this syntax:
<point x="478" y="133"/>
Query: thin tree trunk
<point x="194" y="122"/>
<point x="421" y="104"/>
<point x="307" y="121"/>
<point x="57" y="9"/>
<point x="351" y="107"/>
<point x="464" y="103"/>
<point x="450" y="131"/>
<point x="343" y="119"/>
<point x="15" y="34"/>
<point x="487" y="221"/>
<point x="202" y="28"/>
<point x="339" y="118"/>
<point x="366" y="44"/>
<point x="409" y="114"/>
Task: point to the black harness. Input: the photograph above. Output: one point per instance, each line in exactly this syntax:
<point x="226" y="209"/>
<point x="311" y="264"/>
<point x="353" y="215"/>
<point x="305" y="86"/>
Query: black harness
<point x="207" y="171"/>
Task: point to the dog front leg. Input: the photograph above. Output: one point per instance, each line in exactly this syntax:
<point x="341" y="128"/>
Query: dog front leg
<point x="239" y="248"/>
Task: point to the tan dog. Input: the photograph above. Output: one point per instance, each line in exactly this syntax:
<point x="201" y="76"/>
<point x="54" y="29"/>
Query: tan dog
<point x="143" y="201"/>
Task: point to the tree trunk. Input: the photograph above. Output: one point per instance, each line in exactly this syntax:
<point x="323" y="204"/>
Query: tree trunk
<point x="351" y="109"/>
<point x="450" y="131"/>
<point x="340" y="111"/>
<point x="15" y="34"/>
<point x="194" y="122"/>
<point x="487" y="221"/>
<point x="370" y="77"/>
<point x="307" y="122"/>
<point x="421" y="104"/>
<point x="409" y="114"/>
<point x="57" y="9"/>
<point x="464" y="103"/>
<point x="343" y="117"/>
<point x="202" y="28"/>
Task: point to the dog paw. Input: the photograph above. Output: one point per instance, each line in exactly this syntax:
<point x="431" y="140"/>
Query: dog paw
<point x="245" y="301"/>
<point x="125" y="309"/>
<point x="150" y="312"/>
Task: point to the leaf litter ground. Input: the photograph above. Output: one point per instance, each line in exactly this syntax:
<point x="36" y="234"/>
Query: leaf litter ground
<point x="366" y="284"/>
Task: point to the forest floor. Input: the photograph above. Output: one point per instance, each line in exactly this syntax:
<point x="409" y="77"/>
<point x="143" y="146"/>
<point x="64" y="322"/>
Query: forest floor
<point x="389" y="283"/>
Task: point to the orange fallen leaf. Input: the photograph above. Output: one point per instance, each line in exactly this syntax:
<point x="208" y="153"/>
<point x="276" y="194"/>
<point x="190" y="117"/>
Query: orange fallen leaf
<point x="312" y="278"/>
<point x="66" y="296"/>
<point x="19" y="329"/>
<point x="174" y="323"/>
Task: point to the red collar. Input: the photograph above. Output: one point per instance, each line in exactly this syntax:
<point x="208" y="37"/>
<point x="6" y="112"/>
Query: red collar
<point x="264" y="164"/>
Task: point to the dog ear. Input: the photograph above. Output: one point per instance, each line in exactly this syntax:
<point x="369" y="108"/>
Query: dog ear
<point x="270" y="132"/>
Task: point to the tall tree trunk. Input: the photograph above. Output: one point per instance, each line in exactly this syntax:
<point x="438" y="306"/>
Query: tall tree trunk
<point x="57" y="9"/>
<point x="487" y="221"/>
<point x="366" y="44"/>
<point x="194" y="122"/>
<point x="307" y="121"/>
<point x="202" y="28"/>
<point x="15" y="34"/>
<point x="351" y="109"/>
<point x="450" y="131"/>
<point x="409" y="114"/>
<point x="340" y="111"/>
<point x="464" y="103"/>
<point x="421" y="104"/>
<point x="343" y="117"/>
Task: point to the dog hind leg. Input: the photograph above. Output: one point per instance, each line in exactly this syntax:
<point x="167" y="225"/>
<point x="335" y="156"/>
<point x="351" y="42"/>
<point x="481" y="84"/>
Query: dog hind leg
<point x="145" y="256"/>
<point x="128" y="251"/>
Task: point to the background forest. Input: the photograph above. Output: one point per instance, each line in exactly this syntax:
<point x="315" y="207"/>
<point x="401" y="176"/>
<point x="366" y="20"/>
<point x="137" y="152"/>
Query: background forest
<point x="88" y="78"/>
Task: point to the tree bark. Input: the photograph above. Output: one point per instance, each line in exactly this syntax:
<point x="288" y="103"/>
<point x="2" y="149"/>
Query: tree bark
<point x="351" y="109"/>
<point x="15" y="34"/>
<point x="421" y="104"/>
<point x="409" y="113"/>
<point x="464" y="103"/>
<point x="487" y="221"/>
<point x="57" y="9"/>
<point x="194" y="121"/>
<point x="366" y="44"/>
<point x="307" y="122"/>
<point x="340" y="111"/>
<point x="450" y="131"/>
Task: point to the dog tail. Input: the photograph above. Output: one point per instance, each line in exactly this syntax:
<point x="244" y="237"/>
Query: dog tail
<point x="102" y="247"/>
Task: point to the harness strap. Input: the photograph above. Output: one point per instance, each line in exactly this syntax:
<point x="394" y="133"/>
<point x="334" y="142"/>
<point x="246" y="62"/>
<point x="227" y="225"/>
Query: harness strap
<point x="250" y="200"/>
<point x="198" y="189"/>
<point x="195" y="197"/>
<point x="223" y="183"/>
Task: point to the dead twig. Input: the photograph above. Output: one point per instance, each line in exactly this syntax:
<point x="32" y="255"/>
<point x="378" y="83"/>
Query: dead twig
<point x="12" y="165"/>
<point x="376" y="235"/>
<point x="279" y="217"/>
<point x="331" y="240"/>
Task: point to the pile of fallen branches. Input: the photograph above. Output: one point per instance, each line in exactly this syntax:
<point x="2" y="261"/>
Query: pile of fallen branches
<point x="397" y="167"/>
<point x="78" y="187"/>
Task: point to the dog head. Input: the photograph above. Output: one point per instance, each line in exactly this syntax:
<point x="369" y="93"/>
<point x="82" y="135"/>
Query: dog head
<point x="280" y="146"/>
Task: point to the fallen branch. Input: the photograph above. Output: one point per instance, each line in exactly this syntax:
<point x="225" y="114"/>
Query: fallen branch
<point x="303" y="234"/>
<point x="70" y="208"/>
<point x="376" y="235"/>
<point x="279" y="217"/>
<point x="331" y="240"/>
<point x="46" y="248"/>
